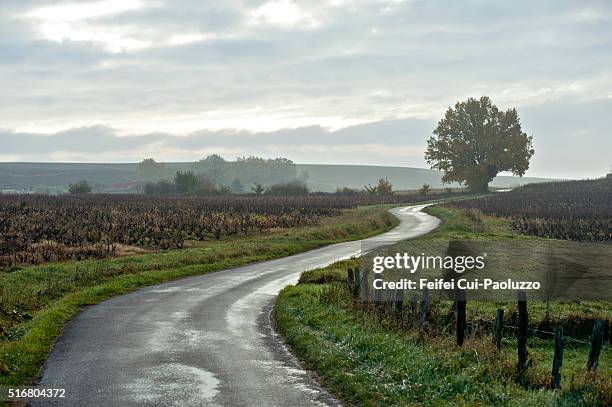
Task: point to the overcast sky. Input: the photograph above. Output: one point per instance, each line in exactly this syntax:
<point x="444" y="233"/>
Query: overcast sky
<point x="317" y="81"/>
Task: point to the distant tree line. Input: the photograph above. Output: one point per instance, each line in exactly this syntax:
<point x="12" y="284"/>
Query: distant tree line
<point x="214" y="174"/>
<point x="189" y="183"/>
<point x="184" y="182"/>
<point x="211" y="176"/>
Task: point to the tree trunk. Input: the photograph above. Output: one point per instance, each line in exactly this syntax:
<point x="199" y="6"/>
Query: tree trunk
<point x="479" y="187"/>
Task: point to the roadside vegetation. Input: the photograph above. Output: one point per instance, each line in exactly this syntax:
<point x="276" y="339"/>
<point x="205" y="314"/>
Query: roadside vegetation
<point x="366" y="359"/>
<point x="367" y="355"/>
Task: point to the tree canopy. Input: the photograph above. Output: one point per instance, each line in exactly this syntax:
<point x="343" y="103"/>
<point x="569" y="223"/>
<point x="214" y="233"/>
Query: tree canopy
<point x="186" y="181"/>
<point x="475" y="141"/>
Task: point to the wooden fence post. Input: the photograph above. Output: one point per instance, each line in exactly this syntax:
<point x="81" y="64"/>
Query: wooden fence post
<point x="499" y="328"/>
<point x="460" y="303"/>
<point x="350" y="280"/>
<point x="423" y="309"/>
<point x="357" y="288"/>
<point x="377" y="296"/>
<point x="399" y="305"/>
<point x="413" y="308"/>
<point x="558" y="358"/>
<point x="389" y="300"/>
<point x="391" y="296"/>
<point x="366" y="286"/>
<point x="522" y="332"/>
<point x="596" y="344"/>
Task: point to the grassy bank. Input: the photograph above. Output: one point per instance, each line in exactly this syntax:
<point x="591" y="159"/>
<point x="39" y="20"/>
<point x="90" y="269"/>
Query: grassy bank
<point x="36" y="302"/>
<point x="371" y="358"/>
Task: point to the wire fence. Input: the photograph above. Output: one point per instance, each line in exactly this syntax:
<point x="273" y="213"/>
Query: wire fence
<point x="390" y="304"/>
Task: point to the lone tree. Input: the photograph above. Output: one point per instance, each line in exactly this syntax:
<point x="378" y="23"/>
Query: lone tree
<point x="475" y="141"/>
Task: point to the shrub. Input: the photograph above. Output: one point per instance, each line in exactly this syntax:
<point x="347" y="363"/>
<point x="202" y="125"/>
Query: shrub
<point x="257" y="189"/>
<point x="81" y="187"/>
<point x="160" y="188"/>
<point x="295" y="188"/>
<point x="347" y="191"/>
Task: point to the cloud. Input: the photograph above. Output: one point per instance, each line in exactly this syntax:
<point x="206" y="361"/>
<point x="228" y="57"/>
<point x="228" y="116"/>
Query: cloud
<point x="282" y="12"/>
<point x="564" y="143"/>
<point x="393" y="141"/>
<point x="76" y="11"/>
<point x="154" y="67"/>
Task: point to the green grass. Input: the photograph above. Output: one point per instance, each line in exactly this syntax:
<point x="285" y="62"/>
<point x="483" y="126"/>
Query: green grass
<point x="367" y="358"/>
<point x="36" y="302"/>
<point x="367" y="362"/>
<point x="459" y="225"/>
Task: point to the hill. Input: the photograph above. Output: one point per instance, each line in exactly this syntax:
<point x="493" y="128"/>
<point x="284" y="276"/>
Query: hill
<point x="26" y="176"/>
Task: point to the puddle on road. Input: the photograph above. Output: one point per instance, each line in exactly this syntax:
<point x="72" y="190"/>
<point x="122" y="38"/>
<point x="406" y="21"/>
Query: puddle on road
<point x="174" y="384"/>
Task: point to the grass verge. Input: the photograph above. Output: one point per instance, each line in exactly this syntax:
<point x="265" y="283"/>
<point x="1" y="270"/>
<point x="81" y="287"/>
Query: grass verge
<point x="369" y="358"/>
<point x="36" y="302"/>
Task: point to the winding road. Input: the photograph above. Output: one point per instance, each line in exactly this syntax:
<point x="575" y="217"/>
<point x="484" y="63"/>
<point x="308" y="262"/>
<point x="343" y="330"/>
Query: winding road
<point x="200" y="341"/>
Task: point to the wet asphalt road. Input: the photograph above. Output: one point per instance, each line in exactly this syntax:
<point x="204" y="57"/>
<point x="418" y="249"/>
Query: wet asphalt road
<point x="199" y="341"/>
